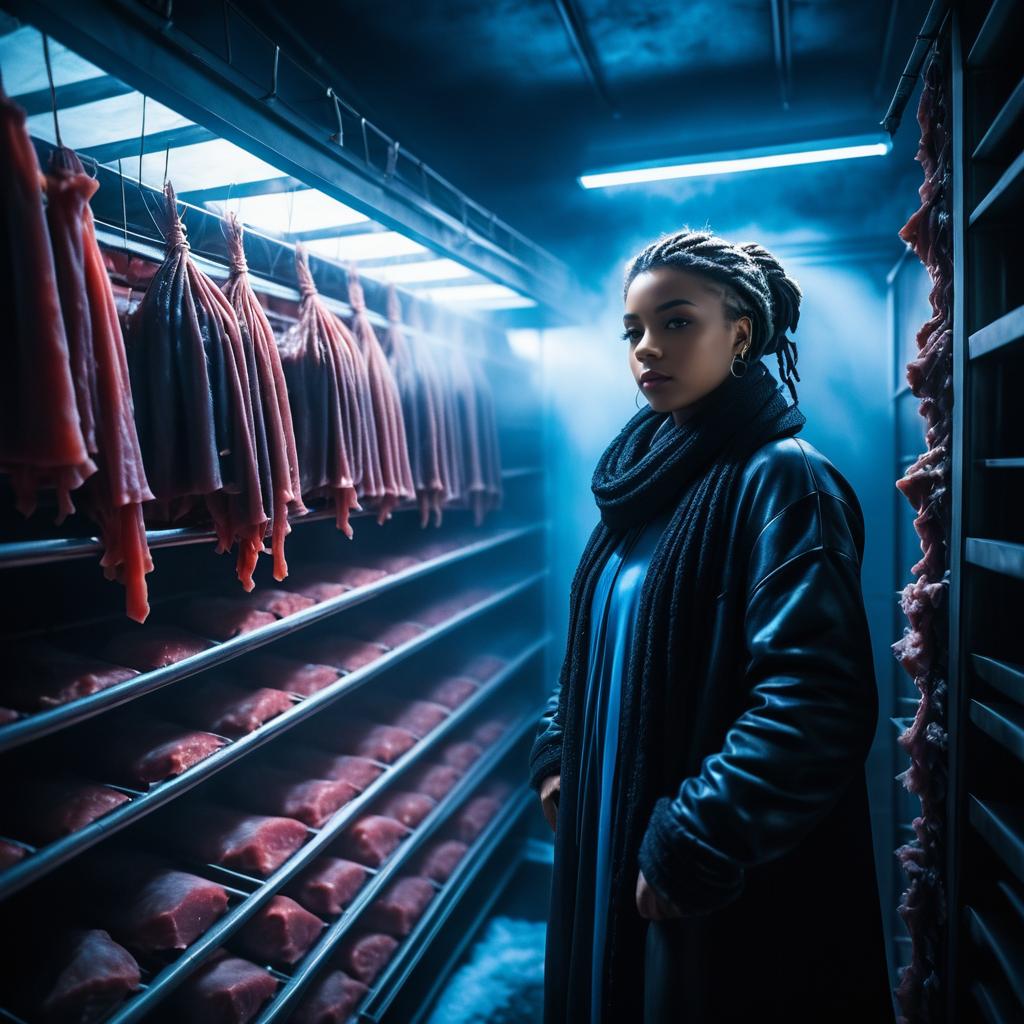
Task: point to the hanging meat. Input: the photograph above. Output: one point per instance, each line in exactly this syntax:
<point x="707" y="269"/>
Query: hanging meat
<point x="113" y="496"/>
<point x="196" y="404"/>
<point x="329" y="394"/>
<point x="396" y="475"/>
<point x="42" y="443"/>
<point x="286" y="486"/>
<point x="421" y="392"/>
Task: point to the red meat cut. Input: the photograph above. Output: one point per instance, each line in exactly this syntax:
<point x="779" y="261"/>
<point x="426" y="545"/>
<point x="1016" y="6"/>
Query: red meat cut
<point x="43" y="810"/>
<point x="221" y="618"/>
<point x="417" y="716"/>
<point x="331" y="1000"/>
<point x="441" y="860"/>
<point x="152" y="647"/>
<point x="472" y="819"/>
<point x="371" y="839"/>
<point x="93" y="974"/>
<point x="365" y="956"/>
<point x="11" y="853"/>
<point x="280" y="603"/>
<point x="329" y="885"/>
<point x="138" y="750"/>
<point x="484" y="666"/>
<point x="252" y="843"/>
<point x="394" y="634"/>
<point x="232" y="710"/>
<point x="380" y="742"/>
<point x="228" y="990"/>
<point x="435" y="780"/>
<point x="358" y="772"/>
<point x="408" y="808"/>
<point x="358" y="575"/>
<point x="38" y="676"/>
<point x="401" y="907"/>
<point x="319" y="591"/>
<point x="461" y="755"/>
<point x="279" y="932"/>
<point x="311" y="801"/>
<point x="288" y="674"/>
<point x="153" y="910"/>
<point x="489" y="732"/>
<point x="452" y="691"/>
<point x="346" y="653"/>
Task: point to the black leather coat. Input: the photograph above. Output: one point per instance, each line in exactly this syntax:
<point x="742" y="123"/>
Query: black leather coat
<point x="762" y="837"/>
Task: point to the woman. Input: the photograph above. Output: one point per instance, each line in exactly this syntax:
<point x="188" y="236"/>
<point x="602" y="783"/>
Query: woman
<point x="702" y="758"/>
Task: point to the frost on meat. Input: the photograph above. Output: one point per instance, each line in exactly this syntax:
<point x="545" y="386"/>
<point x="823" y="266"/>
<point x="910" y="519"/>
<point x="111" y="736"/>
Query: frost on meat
<point x="222" y="618"/>
<point x="372" y="838"/>
<point x="41" y="437"/>
<point x="252" y="843"/>
<point x="279" y="932"/>
<point x="401" y="907"/>
<point x="329" y="885"/>
<point x="152" y="647"/>
<point x="331" y="1000"/>
<point x="227" y="991"/>
<point x="43" y="810"/>
<point x="365" y="956"/>
<point x="435" y="780"/>
<point x="312" y="801"/>
<point x="408" y="808"/>
<point x="88" y="974"/>
<point x="440" y="860"/>
<point x="191" y="382"/>
<point x="285" y="484"/>
<point x="281" y="673"/>
<point x="138" y="750"/>
<point x="39" y="676"/>
<point x="233" y="710"/>
<point x="112" y="497"/>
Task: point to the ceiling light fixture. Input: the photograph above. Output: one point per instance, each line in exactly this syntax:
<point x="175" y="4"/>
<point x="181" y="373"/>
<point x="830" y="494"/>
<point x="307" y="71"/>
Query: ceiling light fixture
<point x="822" y="151"/>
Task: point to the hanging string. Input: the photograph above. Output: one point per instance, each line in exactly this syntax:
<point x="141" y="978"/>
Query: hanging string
<point x="124" y="204"/>
<point x="53" y="91"/>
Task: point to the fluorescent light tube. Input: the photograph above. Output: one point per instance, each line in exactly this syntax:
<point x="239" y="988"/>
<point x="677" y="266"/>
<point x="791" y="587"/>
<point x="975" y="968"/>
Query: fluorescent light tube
<point x="741" y="160"/>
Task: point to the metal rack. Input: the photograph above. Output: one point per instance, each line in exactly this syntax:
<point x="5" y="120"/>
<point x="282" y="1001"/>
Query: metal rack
<point x="511" y="547"/>
<point x="985" y="868"/>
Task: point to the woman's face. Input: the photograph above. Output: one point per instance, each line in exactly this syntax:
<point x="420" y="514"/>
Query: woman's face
<point x="680" y="344"/>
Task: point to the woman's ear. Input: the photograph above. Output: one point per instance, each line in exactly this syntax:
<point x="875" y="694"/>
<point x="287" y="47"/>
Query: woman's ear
<point x="743" y="335"/>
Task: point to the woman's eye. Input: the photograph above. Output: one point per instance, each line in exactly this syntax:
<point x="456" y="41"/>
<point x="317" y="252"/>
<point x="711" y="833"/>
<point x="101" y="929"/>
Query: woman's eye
<point x="677" y="320"/>
<point x="630" y="335"/>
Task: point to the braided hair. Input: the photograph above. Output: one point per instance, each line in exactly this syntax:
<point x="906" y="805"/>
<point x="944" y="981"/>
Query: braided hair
<point x="750" y="280"/>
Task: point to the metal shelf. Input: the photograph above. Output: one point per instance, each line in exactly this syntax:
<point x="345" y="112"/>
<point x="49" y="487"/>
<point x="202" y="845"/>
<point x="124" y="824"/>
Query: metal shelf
<point x="211" y="940"/>
<point x="61" y="549"/>
<point x="1003" y="124"/>
<point x="1006" y="190"/>
<point x="998" y="334"/>
<point x="999" y="556"/>
<point x="1002" y="827"/>
<point x="32" y="727"/>
<point x="987" y="931"/>
<point x="1004" y="676"/>
<point x="46" y="858"/>
<point x="438" y="913"/>
<point x="287" y="998"/>
<point x="1002" y="722"/>
<point x="991" y="35"/>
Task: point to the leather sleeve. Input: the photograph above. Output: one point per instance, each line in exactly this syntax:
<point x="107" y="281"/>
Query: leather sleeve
<point x="809" y="717"/>
<point x="546" y="753"/>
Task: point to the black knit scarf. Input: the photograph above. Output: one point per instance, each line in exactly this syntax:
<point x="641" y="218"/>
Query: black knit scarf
<point x="690" y="466"/>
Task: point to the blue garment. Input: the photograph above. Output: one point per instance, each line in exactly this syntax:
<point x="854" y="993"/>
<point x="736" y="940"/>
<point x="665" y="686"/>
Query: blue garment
<point x="612" y="626"/>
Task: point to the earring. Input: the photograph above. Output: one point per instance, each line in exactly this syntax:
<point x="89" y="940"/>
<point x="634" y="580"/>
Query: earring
<point x="739" y="364"/>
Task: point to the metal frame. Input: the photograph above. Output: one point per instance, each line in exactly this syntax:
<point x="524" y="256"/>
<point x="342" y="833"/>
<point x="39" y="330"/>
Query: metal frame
<point x="156" y="57"/>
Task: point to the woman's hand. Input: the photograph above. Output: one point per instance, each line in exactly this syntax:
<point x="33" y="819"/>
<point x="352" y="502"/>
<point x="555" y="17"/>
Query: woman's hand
<point x="550" y="789"/>
<point x="650" y="904"/>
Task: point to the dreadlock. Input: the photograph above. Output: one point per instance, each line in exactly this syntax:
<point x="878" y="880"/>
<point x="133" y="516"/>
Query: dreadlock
<point x="749" y="279"/>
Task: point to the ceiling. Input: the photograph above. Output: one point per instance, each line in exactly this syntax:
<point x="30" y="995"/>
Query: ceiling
<point x="498" y="98"/>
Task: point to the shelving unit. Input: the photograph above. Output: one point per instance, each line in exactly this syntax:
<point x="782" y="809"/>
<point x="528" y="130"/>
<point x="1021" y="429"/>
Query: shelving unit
<point x="64" y="601"/>
<point x="986" y="711"/>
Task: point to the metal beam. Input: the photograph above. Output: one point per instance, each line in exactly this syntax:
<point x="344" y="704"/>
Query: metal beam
<point x="242" y="190"/>
<point x="173" y="138"/>
<point x="583" y="47"/>
<point x="340" y="231"/>
<point x="74" y="94"/>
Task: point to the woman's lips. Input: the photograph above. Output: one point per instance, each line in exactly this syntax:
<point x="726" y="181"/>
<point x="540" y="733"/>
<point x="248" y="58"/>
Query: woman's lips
<point x="650" y="380"/>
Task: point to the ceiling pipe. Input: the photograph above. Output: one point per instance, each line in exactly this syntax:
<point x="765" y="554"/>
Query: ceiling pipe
<point x="781" y="41"/>
<point x="579" y="37"/>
